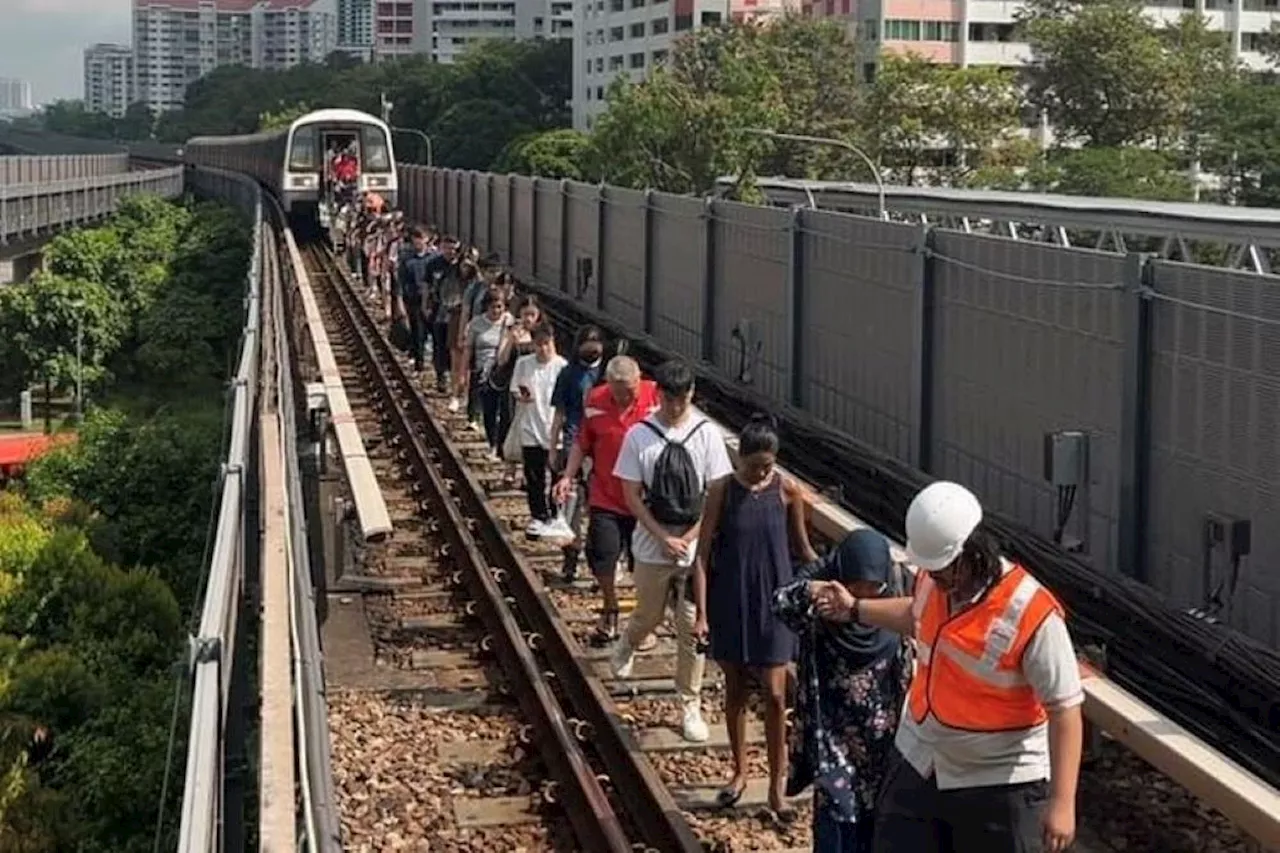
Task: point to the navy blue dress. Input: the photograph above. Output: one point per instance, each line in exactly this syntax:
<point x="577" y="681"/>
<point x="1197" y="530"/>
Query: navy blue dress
<point x="750" y="560"/>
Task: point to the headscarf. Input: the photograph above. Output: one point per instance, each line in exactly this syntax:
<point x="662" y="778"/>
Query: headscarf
<point x="863" y="555"/>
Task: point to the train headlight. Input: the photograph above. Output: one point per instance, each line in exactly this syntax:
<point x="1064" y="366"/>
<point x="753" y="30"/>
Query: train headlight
<point x="302" y="182"/>
<point x="377" y="182"/>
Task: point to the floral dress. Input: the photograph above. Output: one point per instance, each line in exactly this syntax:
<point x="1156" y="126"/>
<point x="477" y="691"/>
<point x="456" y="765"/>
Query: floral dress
<point x="846" y="714"/>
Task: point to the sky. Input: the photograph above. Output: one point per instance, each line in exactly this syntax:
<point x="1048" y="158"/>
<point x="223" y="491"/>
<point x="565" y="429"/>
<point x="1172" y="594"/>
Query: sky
<point x="43" y="41"/>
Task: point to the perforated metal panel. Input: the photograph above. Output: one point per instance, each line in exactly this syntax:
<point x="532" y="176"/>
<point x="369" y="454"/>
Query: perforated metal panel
<point x="522" y="227"/>
<point x="549" y="198"/>
<point x="583" y="220"/>
<point x="623" y="266"/>
<point x="679" y="271"/>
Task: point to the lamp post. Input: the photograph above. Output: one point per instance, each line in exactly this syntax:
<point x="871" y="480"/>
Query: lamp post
<point x="837" y="143"/>
<point x="426" y="139"/>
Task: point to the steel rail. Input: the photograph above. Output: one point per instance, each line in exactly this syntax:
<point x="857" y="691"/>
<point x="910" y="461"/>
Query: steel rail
<point x="447" y="489"/>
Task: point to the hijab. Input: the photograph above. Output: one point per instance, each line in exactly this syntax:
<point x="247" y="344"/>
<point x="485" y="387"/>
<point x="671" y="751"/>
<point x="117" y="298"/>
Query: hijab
<point x="863" y="555"/>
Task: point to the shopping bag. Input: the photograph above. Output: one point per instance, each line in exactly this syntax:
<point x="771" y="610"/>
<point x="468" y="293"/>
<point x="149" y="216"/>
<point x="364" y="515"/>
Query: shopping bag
<point x="401" y="337"/>
<point x="512" y="451"/>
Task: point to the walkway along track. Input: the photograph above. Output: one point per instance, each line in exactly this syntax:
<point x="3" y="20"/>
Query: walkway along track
<point x="526" y="633"/>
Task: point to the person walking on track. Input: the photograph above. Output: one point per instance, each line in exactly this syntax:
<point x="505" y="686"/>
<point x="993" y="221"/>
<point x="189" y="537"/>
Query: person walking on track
<point x="611" y="411"/>
<point x="988" y="751"/>
<point x="667" y="463"/>
<point x="754" y="522"/>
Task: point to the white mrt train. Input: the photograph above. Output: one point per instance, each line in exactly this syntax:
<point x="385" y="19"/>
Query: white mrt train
<point x="294" y="162"/>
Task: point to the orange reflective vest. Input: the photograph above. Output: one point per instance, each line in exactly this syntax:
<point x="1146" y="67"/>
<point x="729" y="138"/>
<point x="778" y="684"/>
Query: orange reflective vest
<point x="969" y="666"/>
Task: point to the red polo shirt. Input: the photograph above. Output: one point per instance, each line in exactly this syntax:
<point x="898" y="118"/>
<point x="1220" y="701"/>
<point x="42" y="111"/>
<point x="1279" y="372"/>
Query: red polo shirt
<point x="604" y="426"/>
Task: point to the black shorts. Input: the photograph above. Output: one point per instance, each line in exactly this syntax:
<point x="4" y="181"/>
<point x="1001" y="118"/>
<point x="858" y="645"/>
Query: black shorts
<point x="608" y="537"/>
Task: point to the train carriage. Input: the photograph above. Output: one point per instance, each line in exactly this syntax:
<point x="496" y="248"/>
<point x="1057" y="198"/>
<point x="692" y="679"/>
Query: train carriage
<point x="293" y="162"/>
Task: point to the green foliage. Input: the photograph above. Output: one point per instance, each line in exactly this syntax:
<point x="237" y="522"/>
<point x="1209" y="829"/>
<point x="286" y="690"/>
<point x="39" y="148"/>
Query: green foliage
<point x="282" y="118"/>
<point x="1125" y="172"/>
<point x="71" y="118"/>
<point x="691" y="122"/>
<point x="551" y="154"/>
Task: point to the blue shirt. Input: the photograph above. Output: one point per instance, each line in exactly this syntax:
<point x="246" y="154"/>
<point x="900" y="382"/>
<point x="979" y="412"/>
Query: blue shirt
<point x="417" y="272"/>
<point x="570" y="394"/>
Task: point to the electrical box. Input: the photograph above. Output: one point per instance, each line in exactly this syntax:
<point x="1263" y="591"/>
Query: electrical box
<point x="1066" y="458"/>
<point x="1235" y="533"/>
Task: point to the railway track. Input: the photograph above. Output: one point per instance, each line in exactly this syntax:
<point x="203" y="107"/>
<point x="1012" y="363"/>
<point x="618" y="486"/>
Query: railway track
<point x="617" y="737"/>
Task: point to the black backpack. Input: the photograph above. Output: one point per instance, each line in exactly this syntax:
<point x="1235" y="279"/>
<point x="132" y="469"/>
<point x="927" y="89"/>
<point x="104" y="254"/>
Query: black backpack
<point x="676" y="495"/>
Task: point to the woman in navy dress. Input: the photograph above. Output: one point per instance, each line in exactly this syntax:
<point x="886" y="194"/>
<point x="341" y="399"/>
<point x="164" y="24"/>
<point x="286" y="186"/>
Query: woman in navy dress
<point x="754" y="522"/>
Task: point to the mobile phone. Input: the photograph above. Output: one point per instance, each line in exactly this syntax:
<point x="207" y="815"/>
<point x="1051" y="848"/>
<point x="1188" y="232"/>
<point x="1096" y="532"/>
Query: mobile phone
<point x="867" y="589"/>
<point x="525" y="392"/>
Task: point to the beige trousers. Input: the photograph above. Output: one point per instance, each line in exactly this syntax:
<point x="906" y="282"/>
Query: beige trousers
<point x="654" y="584"/>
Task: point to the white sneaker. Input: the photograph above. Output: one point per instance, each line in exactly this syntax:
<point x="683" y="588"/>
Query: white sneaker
<point x="535" y="529"/>
<point x="622" y="659"/>
<point x="693" y="727"/>
<point x="454" y="404"/>
<point x="558" y="528"/>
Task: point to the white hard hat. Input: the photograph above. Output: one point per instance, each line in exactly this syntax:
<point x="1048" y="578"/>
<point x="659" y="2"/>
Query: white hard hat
<point x="939" y="521"/>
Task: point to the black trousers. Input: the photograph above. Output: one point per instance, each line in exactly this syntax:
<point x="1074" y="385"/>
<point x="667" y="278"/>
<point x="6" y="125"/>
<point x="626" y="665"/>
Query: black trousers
<point x="535" y="482"/>
<point x="913" y="816"/>
<point x="417" y="329"/>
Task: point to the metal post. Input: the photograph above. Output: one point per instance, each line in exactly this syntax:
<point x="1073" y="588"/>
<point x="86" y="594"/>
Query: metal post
<point x="1135" y="418"/>
<point x="925" y="337"/>
<point x="796" y="301"/>
<point x="647" y="282"/>
<point x="79" y="367"/>
<point x="602" y="217"/>
<point x="511" y="221"/>
<point x="709" y="280"/>
<point x="837" y="143"/>
<point x="566" y="242"/>
<point x="535" y="188"/>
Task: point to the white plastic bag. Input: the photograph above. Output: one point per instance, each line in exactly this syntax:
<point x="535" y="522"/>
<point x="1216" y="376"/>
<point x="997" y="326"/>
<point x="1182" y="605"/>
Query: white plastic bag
<point x="512" y="449"/>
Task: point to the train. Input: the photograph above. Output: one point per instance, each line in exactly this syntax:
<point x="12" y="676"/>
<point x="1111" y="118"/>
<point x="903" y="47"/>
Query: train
<point x="292" y="161"/>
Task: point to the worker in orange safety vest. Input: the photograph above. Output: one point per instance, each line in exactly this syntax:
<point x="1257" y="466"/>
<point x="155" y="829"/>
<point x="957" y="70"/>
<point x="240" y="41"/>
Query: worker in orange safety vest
<point x="987" y="755"/>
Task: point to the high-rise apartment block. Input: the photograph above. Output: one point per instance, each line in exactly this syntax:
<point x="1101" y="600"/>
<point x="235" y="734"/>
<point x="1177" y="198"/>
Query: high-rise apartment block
<point x="108" y="79"/>
<point x="984" y="32"/>
<point x="613" y="38"/>
<point x="355" y="28"/>
<point x="176" y="42"/>
<point x="444" y="29"/>
<point x="15" y="97"/>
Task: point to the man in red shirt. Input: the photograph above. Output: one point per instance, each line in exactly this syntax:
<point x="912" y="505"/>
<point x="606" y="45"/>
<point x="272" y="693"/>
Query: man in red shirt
<point x="610" y="411"/>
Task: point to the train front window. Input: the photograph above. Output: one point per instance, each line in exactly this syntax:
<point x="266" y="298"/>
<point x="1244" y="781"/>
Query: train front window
<point x="377" y="157"/>
<point x="302" y="153"/>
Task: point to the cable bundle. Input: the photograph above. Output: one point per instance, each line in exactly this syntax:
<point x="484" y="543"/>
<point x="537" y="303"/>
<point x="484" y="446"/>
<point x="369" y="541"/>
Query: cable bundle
<point x="1210" y="679"/>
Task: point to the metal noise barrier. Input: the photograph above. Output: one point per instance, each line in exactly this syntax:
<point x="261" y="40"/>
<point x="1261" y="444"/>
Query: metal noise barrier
<point x="212" y="649"/>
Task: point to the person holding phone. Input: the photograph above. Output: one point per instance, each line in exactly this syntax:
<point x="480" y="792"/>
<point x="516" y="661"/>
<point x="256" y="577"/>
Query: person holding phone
<point x="754" y="522"/>
<point x="850" y="684"/>
<point x="534" y="380"/>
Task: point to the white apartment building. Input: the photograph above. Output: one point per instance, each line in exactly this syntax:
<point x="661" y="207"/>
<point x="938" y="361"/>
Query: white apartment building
<point x="613" y="38"/>
<point x="15" y="97"/>
<point x="176" y="42"/>
<point x="108" y="79"/>
<point x="983" y="32"/>
<point x="355" y="28"/>
<point x="444" y="29"/>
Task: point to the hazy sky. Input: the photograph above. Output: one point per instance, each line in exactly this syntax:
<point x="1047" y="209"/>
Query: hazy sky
<point x="43" y="41"/>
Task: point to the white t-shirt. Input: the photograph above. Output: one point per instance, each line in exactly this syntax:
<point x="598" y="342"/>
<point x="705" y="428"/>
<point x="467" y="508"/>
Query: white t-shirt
<point x="639" y="455"/>
<point x="540" y="379"/>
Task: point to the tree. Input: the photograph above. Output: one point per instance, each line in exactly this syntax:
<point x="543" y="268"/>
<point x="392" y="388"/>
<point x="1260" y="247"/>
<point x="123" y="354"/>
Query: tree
<point x="471" y="134"/>
<point x="550" y="154"/>
<point x="282" y="117"/>
<point x="691" y="122"/>
<point x="1113" y="172"/>
<point x="138" y="122"/>
<point x="1109" y="76"/>
<point x="915" y="111"/>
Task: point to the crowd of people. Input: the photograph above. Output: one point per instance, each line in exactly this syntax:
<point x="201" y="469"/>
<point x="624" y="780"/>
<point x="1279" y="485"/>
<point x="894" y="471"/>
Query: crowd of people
<point x="935" y="710"/>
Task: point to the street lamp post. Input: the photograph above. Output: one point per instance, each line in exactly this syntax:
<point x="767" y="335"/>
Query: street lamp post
<point x="838" y="143"/>
<point x="426" y="139"/>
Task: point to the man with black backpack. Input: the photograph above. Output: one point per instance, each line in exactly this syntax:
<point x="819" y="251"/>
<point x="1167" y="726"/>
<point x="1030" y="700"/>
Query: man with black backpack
<point x="666" y="464"/>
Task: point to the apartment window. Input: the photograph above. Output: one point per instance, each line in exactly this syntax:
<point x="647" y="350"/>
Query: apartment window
<point x="684" y="22"/>
<point x="991" y="32"/>
<point x="871" y="30"/>
<point x="902" y="30"/>
<point x="636" y="60"/>
<point x="615" y="63"/>
<point x="941" y="31"/>
<point x="711" y="19"/>
<point x="599" y="93"/>
<point x="599" y="64"/>
<point x="589" y="92"/>
<point x="616" y="34"/>
<point x="637" y="30"/>
<point x="659" y="57"/>
<point x="660" y="26"/>
<point x="617" y="5"/>
<point x="868" y="72"/>
<point x="637" y="4"/>
<point x="588" y="66"/>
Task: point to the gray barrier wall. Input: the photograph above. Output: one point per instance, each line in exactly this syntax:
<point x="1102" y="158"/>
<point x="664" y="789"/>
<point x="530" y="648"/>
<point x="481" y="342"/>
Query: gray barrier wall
<point x="41" y="170"/>
<point x="31" y="210"/>
<point x="952" y="351"/>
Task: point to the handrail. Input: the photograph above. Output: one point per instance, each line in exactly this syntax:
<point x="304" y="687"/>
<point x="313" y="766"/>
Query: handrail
<point x="213" y="646"/>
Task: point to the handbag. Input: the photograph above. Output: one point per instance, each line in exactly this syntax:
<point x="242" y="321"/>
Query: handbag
<point x="512" y="447"/>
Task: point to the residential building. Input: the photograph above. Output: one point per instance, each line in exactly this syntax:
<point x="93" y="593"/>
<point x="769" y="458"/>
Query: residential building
<point x="108" y="79"/>
<point x="176" y="42"/>
<point x="15" y="97"/>
<point x="613" y="38"/>
<point x="355" y="28"/>
<point x="444" y="29"/>
<point x="983" y="32"/>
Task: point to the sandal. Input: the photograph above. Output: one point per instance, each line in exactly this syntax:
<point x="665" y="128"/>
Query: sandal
<point x="729" y="795"/>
